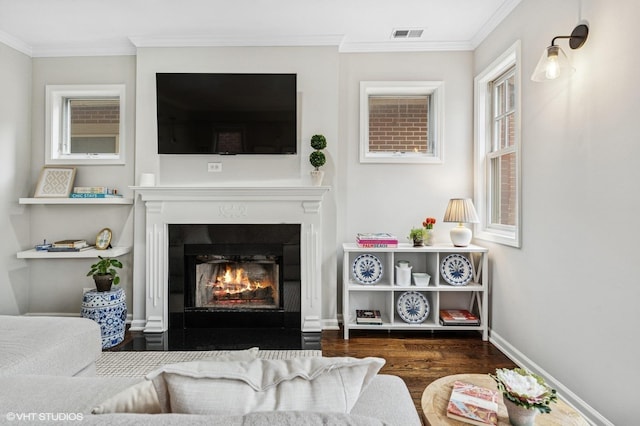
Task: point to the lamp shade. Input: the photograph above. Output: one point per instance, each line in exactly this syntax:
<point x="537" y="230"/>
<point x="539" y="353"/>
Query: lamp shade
<point x="460" y="210"/>
<point x="553" y="65"/>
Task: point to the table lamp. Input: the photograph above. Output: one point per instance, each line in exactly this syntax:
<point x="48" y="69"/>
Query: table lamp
<point x="460" y="210"/>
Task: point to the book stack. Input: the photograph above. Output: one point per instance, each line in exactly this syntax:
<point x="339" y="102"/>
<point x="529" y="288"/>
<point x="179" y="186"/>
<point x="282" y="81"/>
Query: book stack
<point x="69" y="245"/>
<point x="473" y="404"/>
<point x="368" y="316"/>
<point x="94" y="192"/>
<point x="381" y="239"/>
<point x="458" y="317"/>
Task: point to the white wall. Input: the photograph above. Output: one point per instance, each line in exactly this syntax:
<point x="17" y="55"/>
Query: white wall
<point x="52" y="222"/>
<point x="565" y="303"/>
<point x="15" y="135"/>
<point x="397" y="197"/>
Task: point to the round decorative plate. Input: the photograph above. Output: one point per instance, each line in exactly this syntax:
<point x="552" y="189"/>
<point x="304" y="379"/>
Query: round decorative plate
<point x="413" y="307"/>
<point x="456" y="269"/>
<point x="367" y="269"/>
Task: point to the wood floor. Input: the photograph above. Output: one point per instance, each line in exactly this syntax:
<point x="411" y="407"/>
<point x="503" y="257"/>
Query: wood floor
<point x="421" y="357"/>
<point x="417" y="357"/>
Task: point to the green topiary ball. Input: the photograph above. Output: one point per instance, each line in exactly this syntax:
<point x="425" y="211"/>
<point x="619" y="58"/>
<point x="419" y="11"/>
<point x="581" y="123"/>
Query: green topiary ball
<point x="318" y="142"/>
<point x="317" y="159"/>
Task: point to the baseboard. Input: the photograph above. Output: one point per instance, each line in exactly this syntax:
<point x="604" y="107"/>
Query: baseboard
<point x="330" y="324"/>
<point x="588" y="412"/>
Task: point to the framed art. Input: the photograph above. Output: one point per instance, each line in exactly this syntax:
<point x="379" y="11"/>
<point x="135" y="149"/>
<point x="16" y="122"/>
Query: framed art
<point x="103" y="239"/>
<point x="55" y="182"/>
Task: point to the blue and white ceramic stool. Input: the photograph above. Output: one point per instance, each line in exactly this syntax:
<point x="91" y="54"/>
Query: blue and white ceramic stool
<point x="109" y="310"/>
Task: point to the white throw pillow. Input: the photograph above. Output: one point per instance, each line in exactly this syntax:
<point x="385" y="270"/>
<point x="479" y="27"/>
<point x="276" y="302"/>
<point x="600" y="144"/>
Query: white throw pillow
<point x="241" y="387"/>
<point x="142" y="397"/>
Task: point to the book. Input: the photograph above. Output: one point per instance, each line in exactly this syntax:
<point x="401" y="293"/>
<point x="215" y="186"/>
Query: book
<point x="94" y="190"/>
<point x="377" y="238"/>
<point x="93" y="195"/>
<point x="70" y="249"/>
<point x="473" y="404"/>
<point x="70" y="244"/>
<point x="458" y="317"/>
<point x="368" y="316"/>
<point x="379" y="245"/>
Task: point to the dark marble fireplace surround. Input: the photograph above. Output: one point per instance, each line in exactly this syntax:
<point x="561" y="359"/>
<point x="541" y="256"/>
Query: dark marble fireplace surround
<point x="278" y="241"/>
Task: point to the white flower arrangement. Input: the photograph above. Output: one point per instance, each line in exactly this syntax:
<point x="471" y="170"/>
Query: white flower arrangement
<point x="525" y="389"/>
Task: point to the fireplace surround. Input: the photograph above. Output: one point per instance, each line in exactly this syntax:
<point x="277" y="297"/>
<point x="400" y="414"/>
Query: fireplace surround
<point x="253" y="205"/>
<point x="234" y="276"/>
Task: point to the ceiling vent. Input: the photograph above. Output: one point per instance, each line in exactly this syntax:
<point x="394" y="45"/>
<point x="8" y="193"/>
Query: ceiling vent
<point x="407" y="33"/>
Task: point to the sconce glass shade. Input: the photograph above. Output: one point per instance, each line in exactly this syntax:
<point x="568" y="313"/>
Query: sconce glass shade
<point x="460" y="210"/>
<point x="553" y="65"/>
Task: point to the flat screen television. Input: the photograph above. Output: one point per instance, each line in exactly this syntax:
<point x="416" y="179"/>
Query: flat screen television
<point x="200" y="113"/>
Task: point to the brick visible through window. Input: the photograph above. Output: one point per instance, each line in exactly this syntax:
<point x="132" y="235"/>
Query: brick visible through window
<point x="399" y="124"/>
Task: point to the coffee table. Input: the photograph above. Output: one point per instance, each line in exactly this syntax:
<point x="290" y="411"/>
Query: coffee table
<point x="436" y="397"/>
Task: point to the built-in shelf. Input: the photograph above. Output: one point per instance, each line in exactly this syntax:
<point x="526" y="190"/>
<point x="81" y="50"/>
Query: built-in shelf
<point x="76" y="201"/>
<point x="42" y="254"/>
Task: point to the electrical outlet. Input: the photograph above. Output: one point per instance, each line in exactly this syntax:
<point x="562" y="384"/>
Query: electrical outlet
<point x="214" y="167"/>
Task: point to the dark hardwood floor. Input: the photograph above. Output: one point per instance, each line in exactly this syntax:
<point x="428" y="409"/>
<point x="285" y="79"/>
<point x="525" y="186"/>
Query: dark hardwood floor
<point x="418" y="357"/>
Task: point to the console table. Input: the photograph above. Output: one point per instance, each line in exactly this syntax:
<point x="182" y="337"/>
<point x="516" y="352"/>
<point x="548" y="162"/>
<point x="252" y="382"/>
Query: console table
<point x="436" y="397"/>
<point x="109" y="310"/>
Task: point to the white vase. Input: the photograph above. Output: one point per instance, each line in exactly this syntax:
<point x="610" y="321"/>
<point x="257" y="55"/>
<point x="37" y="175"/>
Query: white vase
<point x="519" y="415"/>
<point x="316" y="177"/>
<point x="428" y="239"/>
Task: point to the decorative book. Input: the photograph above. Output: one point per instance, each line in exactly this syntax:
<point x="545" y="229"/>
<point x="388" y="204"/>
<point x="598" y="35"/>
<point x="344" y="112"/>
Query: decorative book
<point x="368" y="316"/>
<point x="75" y="244"/>
<point x="458" y="317"/>
<point x="473" y="404"/>
<point x="381" y="239"/>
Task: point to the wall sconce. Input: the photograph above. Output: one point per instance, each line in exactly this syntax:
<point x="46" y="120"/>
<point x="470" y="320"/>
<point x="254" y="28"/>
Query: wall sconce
<point x="554" y="63"/>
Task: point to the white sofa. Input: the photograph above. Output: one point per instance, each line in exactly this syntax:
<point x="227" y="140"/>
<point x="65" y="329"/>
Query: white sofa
<point x="30" y="394"/>
<point x="56" y="346"/>
<point x="386" y="401"/>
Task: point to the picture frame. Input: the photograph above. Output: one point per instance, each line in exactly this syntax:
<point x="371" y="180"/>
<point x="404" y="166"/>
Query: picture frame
<point x="103" y="239"/>
<point x="55" y="182"/>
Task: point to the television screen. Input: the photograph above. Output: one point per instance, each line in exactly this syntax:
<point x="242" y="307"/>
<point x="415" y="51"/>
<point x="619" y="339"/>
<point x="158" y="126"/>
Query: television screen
<point x="226" y="113"/>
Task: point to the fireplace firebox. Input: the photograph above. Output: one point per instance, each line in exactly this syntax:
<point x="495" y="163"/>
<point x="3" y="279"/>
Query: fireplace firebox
<point x="224" y="276"/>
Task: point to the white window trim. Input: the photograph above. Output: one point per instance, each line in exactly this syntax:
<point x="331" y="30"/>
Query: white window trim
<point x="436" y="119"/>
<point x="56" y="127"/>
<point x="510" y="236"/>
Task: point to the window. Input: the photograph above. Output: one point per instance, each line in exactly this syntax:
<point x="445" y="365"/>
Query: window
<point x="401" y="122"/>
<point x="497" y="150"/>
<point x="85" y="124"/>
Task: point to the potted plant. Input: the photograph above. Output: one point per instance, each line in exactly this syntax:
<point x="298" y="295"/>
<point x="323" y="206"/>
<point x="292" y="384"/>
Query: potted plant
<point x="423" y="236"/>
<point x="524" y="394"/>
<point x="104" y="273"/>
<point x="317" y="158"/>
<point x="417" y="235"/>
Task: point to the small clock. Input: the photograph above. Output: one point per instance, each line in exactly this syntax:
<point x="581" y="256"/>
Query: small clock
<point x="103" y="240"/>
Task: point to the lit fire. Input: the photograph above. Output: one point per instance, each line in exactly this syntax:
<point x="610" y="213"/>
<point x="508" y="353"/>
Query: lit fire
<point x="234" y="283"/>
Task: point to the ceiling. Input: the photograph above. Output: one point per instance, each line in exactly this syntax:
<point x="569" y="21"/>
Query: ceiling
<point x="112" y="27"/>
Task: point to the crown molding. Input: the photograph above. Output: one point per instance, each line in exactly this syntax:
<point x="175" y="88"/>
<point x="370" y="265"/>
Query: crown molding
<point x="212" y="41"/>
<point x="15" y="43"/>
<point x="404" y="46"/>
<point x="500" y="14"/>
<point x="75" y="50"/>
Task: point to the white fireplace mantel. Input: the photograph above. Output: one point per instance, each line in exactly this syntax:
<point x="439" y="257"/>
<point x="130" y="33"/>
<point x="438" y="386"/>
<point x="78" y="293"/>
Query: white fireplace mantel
<point x="256" y="204"/>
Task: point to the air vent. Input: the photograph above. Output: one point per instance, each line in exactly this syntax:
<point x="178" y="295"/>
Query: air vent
<point x="407" y="33"/>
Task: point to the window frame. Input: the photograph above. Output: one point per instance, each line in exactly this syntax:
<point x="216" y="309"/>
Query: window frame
<point x="435" y="91"/>
<point x="483" y="142"/>
<point x="57" y="124"/>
